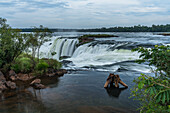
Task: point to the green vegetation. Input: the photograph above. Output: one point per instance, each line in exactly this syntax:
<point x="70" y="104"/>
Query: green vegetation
<point x="12" y="44"/>
<point x="90" y="37"/>
<point x="154" y="92"/>
<point x="137" y="28"/>
<point x="97" y="36"/>
<point x="14" y="47"/>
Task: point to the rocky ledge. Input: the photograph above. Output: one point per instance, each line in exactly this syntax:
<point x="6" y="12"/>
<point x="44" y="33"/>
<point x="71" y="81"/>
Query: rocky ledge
<point x="164" y="34"/>
<point x="91" y="37"/>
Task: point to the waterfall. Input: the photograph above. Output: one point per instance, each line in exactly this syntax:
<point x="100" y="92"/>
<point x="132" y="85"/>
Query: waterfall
<point x="101" y="54"/>
<point x="63" y="47"/>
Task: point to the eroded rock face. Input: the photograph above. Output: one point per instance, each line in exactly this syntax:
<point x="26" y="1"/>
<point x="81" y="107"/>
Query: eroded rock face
<point x="11" y="85"/>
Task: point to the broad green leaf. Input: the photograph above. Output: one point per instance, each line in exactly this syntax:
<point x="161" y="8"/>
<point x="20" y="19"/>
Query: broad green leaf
<point x="158" y="98"/>
<point x="163" y="98"/>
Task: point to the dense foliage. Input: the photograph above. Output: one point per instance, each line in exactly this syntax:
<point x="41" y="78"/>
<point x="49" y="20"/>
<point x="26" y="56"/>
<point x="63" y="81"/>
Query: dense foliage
<point x="154" y="92"/>
<point x="15" y="45"/>
<point x="12" y="43"/>
<point x="138" y="28"/>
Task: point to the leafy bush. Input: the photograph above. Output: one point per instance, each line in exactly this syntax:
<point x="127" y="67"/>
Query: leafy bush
<point x="22" y="64"/>
<point x="154" y="92"/>
<point x="54" y="64"/>
<point x="12" y="43"/>
<point x="42" y="66"/>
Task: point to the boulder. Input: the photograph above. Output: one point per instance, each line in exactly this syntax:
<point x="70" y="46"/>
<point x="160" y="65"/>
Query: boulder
<point x="11" y="85"/>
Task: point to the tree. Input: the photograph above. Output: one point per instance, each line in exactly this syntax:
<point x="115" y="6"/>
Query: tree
<point x="12" y="43"/>
<point x="154" y="92"/>
<point x="38" y="38"/>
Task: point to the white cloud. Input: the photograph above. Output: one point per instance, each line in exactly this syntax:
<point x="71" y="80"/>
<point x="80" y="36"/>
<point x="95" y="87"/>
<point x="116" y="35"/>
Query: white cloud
<point x="84" y="13"/>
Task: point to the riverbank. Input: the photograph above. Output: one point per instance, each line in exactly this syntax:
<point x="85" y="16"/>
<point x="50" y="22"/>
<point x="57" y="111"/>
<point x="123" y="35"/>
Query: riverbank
<point x="75" y="92"/>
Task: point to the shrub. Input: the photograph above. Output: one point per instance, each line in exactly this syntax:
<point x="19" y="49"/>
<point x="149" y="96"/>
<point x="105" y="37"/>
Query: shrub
<point x="22" y="64"/>
<point x="154" y="92"/>
<point x="54" y="64"/>
<point x="42" y="66"/>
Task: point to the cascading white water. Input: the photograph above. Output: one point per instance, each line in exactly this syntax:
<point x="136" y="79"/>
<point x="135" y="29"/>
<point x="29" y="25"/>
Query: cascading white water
<point x="100" y="54"/>
<point x="63" y="47"/>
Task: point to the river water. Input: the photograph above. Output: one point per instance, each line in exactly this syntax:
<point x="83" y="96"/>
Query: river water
<point x="81" y="90"/>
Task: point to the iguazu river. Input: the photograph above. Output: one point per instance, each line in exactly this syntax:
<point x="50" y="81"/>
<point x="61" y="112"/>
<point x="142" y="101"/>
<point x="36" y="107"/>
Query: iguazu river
<point x="81" y="89"/>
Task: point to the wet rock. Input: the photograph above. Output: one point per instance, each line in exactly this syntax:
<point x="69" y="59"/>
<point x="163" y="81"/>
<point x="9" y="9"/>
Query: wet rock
<point x="11" y="85"/>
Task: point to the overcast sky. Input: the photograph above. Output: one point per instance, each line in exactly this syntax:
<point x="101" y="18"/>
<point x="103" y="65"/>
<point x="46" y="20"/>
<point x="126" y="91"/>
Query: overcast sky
<point x="84" y="13"/>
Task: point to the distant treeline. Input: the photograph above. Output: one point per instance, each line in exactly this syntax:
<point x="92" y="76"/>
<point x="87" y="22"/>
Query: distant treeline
<point x="138" y="28"/>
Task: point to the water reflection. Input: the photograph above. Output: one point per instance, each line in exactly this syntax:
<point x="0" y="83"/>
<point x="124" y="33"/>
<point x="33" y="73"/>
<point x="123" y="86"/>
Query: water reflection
<point x="114" y="91"/>
<point x="22" y="101"/>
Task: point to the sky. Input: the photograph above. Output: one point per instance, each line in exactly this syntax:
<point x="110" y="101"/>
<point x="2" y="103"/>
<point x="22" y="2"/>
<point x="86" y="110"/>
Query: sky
<point x="84" y="13"/>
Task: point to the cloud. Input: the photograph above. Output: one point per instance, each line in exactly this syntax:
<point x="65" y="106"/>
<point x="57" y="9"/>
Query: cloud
<point x="84" y="13"/>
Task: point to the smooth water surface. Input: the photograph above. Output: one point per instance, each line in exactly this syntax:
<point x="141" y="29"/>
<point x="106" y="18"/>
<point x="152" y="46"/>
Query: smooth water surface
<point x="77" y="92"/>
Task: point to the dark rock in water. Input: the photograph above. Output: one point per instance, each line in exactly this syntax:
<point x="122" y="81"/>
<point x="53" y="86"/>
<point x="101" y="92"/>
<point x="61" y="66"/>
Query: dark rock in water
<point x="37" y="84"/>
<point x="2" y="78"/>
<point x="50" y="43"/>
<point x="64" y="57"/>
<point x="11" y="85"/>
<point x="164" y="34"/>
